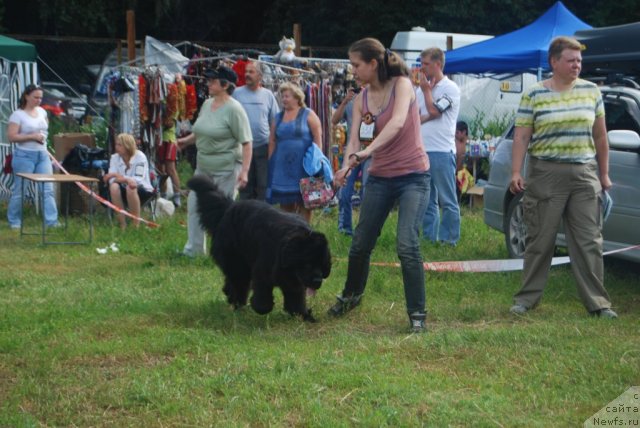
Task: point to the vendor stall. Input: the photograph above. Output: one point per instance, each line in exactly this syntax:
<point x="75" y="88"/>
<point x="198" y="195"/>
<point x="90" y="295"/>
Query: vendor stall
<point x="19" y="69"/>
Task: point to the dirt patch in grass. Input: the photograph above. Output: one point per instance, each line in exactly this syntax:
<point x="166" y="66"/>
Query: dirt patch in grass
<point x="7" y="379"/>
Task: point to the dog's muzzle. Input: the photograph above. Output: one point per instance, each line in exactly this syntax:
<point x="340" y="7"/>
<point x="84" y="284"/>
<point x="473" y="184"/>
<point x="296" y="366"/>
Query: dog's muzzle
<point x="316" y="282"/>
<point x="313" y="284"/>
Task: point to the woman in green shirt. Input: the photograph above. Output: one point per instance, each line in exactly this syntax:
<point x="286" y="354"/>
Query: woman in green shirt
<point x="223" y="138"/>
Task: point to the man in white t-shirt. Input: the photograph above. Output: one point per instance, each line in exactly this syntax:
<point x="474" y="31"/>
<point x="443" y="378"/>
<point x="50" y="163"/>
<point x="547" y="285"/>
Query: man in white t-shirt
<point x="439" y="101"/>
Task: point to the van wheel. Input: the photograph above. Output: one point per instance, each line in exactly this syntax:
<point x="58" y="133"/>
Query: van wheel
<point x="515" y="230"/>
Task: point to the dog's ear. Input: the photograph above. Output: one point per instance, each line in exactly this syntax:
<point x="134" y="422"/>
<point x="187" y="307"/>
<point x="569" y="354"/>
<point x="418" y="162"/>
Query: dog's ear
<point x="312" y="246"/>
<point x="322" y="250"/>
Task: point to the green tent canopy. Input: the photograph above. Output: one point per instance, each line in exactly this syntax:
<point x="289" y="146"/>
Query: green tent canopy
<point x="15" y="50"/>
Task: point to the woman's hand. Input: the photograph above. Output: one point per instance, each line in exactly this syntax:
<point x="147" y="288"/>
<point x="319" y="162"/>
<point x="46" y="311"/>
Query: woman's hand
<point x="132" y="183"/>
<point x="243" y="179"/>
<point x="356" y="159"/>
<point x="39" y="137"/>
<point x="108" y="177"/>
<point x="340" y="178"/>
<point x="186" y="141"/>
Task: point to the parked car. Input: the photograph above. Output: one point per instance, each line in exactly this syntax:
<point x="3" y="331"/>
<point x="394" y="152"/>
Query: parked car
<point x="503" y="210"/>
<point x="59" y="99"/>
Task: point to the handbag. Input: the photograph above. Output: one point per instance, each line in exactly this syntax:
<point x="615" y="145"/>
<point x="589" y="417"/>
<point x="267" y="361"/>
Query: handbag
<point x="8" y="169"/>
<point x="317" y="193"/>
<point x="316" y="189"/>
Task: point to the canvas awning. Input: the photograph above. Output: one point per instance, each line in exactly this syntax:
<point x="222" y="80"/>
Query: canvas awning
<point x="521" y="51"/>
<point x="16" y="50"/>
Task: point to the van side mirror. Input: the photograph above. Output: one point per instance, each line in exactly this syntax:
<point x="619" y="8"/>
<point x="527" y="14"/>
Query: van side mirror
<point x="624" y="140"/>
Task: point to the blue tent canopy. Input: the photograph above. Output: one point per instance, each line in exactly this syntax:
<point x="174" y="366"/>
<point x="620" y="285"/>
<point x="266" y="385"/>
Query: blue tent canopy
<point x="523" y="50"/>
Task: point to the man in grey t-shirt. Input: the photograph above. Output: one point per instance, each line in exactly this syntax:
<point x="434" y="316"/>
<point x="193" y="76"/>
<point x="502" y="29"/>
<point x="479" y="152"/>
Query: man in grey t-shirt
<point x="261" y="107"/>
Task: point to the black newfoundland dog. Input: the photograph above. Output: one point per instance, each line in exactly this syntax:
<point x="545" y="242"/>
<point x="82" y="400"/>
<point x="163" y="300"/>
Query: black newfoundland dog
<point x="258" y="247"/>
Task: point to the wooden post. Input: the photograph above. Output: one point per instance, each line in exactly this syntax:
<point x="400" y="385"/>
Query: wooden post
<point x="297" y="37"/>
<point x="131" y="35"/>
<point x="449" y="43"/>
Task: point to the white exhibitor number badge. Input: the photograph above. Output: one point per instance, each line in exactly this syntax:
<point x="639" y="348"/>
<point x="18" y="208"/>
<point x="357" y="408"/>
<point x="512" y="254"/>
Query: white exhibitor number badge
<point x="367" y="127"/>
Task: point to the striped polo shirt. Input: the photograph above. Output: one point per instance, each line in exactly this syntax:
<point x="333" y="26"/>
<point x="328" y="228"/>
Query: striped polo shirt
<point x="562" y="122"/>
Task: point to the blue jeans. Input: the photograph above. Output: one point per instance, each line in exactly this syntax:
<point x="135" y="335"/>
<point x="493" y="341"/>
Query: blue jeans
<point x="443" y="195"/>
<point x="346" y="193"/>
<point x="411" y="192"/>
<point x="31" y="162"/>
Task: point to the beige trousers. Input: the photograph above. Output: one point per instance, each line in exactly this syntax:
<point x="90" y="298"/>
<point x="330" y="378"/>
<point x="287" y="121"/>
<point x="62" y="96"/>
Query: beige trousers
<point x="571" y="193"/>
<point x="196" y="242"/>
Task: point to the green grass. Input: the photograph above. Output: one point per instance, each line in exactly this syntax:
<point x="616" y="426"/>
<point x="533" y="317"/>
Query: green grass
<point x="144" y="337"/>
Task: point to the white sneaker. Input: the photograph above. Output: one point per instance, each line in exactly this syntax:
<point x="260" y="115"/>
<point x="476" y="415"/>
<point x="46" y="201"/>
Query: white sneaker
<point x="518" y="309"/>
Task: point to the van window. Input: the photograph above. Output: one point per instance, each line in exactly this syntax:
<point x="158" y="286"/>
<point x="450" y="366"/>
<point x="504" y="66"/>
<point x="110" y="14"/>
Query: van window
<point x="618" y="114"/>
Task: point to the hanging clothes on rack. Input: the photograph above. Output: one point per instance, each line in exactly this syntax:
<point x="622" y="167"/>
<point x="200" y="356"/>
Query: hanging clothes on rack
<point x="153" y="92"/>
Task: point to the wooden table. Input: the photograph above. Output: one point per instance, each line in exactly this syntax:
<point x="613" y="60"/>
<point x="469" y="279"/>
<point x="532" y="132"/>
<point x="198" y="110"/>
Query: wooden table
<point x="41" y="179"/>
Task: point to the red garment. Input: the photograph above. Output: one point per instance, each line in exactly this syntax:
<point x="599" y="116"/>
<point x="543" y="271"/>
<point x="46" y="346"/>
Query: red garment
<point x="167" y="151"/>
<point x="144" y="110"/>
<point x="182" y="99"/>
<point x="192" y="101"/>
<point x="239" y="67"/>
<point x="171" y="108"/>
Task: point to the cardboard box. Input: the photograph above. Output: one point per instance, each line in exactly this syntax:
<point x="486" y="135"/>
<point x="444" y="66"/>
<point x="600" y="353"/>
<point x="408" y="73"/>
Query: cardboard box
<point x="476" y="196"/>
<point x="63" y="143"/>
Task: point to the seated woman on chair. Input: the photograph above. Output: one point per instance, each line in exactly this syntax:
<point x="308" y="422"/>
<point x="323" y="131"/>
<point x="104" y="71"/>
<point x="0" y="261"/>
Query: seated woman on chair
<point x="128" y="178"/>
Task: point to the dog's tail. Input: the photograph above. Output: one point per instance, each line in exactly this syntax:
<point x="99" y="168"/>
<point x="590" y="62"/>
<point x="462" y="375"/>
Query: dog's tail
<point x="212" y="203"/>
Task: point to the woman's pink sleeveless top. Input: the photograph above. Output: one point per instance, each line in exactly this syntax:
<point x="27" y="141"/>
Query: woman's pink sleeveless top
<point x="404" y="154"/>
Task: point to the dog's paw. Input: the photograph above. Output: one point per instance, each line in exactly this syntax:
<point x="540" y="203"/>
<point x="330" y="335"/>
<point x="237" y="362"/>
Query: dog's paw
<point x="261" y="307"/>
<point x="308" y="317"/>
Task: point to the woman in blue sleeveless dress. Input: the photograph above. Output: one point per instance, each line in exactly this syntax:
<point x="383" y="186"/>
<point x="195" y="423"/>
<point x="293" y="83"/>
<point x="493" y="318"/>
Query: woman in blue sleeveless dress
<point x="296" y="127"/>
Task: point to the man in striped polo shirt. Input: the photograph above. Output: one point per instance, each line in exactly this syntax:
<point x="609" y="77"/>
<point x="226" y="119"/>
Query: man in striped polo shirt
<point x="560" y="123"/>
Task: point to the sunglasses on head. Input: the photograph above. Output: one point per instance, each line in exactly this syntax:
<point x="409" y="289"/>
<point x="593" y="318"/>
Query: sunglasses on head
<point x="31" y="87"/>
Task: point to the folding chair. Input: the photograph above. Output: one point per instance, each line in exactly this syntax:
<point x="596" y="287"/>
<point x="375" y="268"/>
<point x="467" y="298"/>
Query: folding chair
<point x="152" y="201"/>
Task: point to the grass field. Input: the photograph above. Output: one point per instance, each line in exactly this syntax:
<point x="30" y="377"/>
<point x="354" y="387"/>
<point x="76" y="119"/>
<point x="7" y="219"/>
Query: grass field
<point x="144" y="337"/>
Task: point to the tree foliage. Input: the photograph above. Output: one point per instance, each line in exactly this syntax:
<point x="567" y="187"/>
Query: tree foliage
<point x="327" y="23"/>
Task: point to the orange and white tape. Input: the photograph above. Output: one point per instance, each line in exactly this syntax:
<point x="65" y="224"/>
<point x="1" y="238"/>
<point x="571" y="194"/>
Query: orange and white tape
<point x="100" y="199"/>
<point x="503" y="265"/>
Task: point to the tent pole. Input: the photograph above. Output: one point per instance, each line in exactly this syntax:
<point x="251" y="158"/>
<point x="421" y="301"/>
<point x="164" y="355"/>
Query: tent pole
<point x="539" y="74"/>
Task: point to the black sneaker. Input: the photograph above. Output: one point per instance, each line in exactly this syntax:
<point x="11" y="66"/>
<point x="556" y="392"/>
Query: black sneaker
<point x="417" y="322"/>
<point x="344" y="305"/>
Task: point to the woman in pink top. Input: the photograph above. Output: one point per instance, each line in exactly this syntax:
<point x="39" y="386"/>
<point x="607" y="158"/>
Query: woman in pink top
<point x="386" y="114"/>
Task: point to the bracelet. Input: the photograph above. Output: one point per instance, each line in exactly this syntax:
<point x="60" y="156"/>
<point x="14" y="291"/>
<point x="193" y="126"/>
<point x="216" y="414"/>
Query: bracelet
<point x="358" y="159"/>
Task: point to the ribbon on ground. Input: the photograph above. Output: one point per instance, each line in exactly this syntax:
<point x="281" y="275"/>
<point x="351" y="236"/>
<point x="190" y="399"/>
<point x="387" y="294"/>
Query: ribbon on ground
<point x="99" y="198"/>
<point x="504" y="265"/>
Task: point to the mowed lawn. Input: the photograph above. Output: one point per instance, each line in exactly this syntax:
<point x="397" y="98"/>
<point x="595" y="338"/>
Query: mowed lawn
<point x="143" y="337"/>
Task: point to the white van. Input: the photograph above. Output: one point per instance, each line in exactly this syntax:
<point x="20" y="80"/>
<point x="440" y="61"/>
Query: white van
<point x="409" y="44"/>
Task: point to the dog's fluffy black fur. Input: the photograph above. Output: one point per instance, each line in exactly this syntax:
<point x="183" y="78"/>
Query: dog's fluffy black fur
<point x="259" y="247"/>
